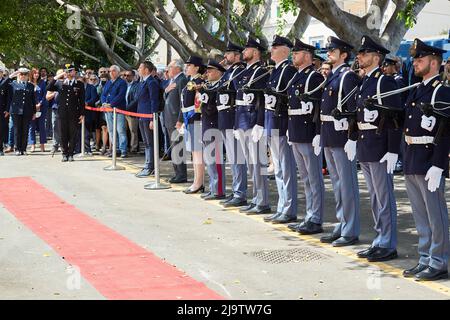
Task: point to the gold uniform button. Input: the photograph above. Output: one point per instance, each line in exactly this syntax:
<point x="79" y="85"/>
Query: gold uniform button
<point x="362" y="136"/>
<point x="407" y="129"/>
<point x="413" y="104"/>
<point x="410" y="117"/>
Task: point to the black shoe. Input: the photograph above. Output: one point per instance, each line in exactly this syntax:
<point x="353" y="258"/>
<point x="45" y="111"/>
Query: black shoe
<point x="247" y="208"/>
<point x="363" y="254"/>
<point x="190" y="191"/>
<point x="205" y="194"/>
<point x="177" y="180"/>
<point x="382" y="254"/>
<point x="310" y="227"/>
<point x="409" y="273"/>
<point x="65" y="159"/>
<point x="295" y="226"/>
<point x="214" y="197"/>
<point x="283" y="219"/>
<point x="258" y="210"/>
<point x="227" y="198"/>
<point x="345" y="241"/>
<point x="143" y="173"/>
<point x="431" y="274"/>
<point x="329" y="238"/>
<point x="70" y="159"/>
<point x="273" y="216"/>
<point x="235" y="202"/>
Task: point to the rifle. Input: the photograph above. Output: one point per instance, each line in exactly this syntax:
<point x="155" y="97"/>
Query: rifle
<point x="394" y="113"/>
<point x="351" y="115"/>
<point x="444" y="119"/>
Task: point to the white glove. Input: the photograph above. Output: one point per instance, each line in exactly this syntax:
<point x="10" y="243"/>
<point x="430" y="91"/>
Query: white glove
<point x="248" y="98"/>
<point x="428" y="123"/>
<point x="350" y="149"/>
<point x="181" y="130"/>
<point x="204" y="98"/>
<point x="316" y="145"/>
<point x="307" y="107"/>
<point x="370" y="116"/>
<point x="236" y="134"/>
<point x="433" y="176"/>
<point x="340" y="125"/>
<point x="391" y="159"/>
<point x="257" y="133"/>
<point x="270" y="100"/>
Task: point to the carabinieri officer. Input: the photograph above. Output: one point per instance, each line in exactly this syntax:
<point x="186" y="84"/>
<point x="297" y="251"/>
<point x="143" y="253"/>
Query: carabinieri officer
<point x="70" y="108"/>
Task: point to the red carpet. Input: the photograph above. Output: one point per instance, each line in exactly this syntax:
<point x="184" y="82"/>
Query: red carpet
<point x="115" y="266"/>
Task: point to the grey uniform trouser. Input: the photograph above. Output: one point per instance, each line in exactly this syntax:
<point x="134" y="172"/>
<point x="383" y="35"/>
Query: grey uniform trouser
<point x="236" y="160"/>
<point x="256" y="157"/>
<point x="346" y="191"/>
<point x="285" y="175"/>
<point x="310" y="169"/>
<point x="382" y="200"/>
<point x="430" y="214"/>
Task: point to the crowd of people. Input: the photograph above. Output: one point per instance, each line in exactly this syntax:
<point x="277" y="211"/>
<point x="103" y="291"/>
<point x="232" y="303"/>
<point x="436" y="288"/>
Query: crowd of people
<point x="297" y="115"/>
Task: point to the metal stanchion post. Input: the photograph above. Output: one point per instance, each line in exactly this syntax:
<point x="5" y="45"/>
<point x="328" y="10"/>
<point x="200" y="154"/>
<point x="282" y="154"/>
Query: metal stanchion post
<point x="83" y="144"/>
<point x="157" y="185"/>
<point x="113" y="166"/>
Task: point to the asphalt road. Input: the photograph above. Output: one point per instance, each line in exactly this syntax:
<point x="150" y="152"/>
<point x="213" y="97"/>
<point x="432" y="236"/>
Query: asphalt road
<point x="235" y="256"/>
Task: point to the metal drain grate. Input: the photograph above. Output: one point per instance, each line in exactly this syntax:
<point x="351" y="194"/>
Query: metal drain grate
<point x="288" y="256"/>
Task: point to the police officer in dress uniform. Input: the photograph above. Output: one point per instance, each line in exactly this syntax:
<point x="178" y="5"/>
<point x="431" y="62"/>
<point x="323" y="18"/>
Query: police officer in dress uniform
<point x="340" y="85"/>
<point x="70" y="108"/>
<point x="226" y="97"/>
<point x="276" y="124"/>
<point x="249" y="124"/>
<point x="378" y="145"/>
<point x="304" y="93"/>
<point x="212" y="137"/>
<point x="426" y="162"/>
<point x="22" y="107"/>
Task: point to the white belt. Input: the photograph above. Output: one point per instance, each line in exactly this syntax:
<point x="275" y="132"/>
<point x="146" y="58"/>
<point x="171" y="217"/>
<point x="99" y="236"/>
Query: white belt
<point x="326" y="118"/>
<point x="184" y="110"/>
<point x="419" y="140"/>
<point x="366" y="126"/>
<point x="241" y="103"/>
<point x="269" y="108"/>
<point x="223" y="107"/>
<point x="296" y="112"/>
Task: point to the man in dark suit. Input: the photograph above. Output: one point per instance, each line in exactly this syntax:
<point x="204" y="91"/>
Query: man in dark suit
<point x="173" y="117"/>
<point x="70" y="108"/>
<point x="132" y="104"/>
<point x="147" y="103"/>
